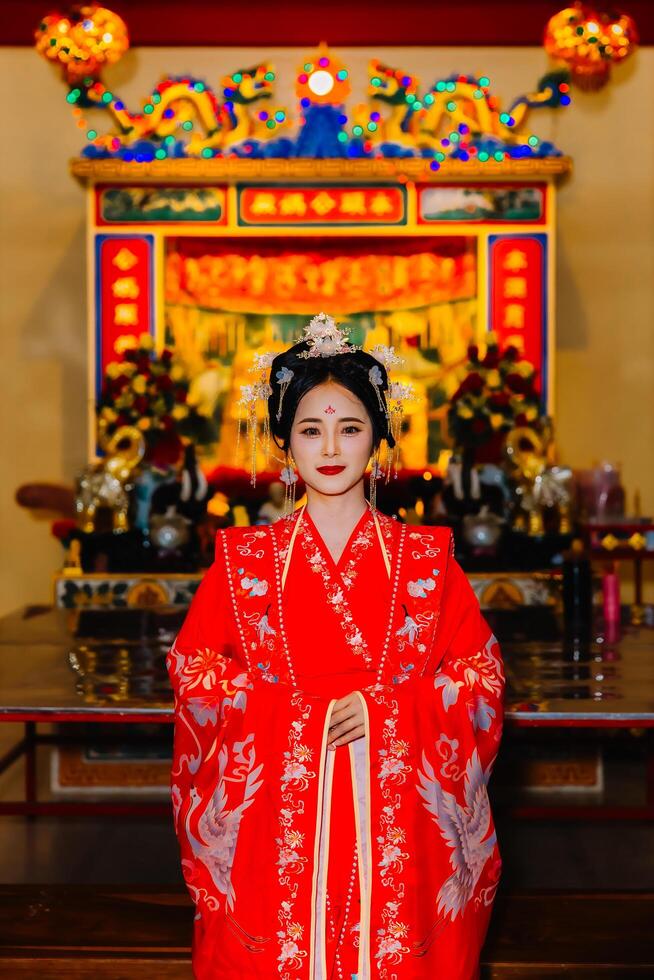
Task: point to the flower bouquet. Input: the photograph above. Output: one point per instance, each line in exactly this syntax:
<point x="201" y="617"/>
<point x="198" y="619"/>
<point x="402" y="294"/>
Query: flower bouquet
<point x="497" y="394"/>
<point x="152" y="392"/>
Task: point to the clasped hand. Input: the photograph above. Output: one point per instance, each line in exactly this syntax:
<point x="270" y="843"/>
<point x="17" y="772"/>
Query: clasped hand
<point x="346" y="721"/>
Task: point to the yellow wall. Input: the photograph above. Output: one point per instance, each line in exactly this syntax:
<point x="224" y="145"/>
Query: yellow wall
<point x="605" y="311"/>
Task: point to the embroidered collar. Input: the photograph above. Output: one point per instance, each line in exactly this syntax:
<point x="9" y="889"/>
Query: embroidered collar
<point x="359" y="540"/>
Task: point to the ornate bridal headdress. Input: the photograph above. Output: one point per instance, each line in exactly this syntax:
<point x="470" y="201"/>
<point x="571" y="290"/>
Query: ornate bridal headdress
<point x="323" y="339"/>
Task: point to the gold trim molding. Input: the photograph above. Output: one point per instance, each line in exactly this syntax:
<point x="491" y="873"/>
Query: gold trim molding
<point x="235" y="169"/>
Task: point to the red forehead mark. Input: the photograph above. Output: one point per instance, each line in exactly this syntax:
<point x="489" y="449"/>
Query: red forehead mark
<point x="330" y="410"/>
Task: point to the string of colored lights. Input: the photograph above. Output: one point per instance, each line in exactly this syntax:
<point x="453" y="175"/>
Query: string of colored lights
<point x="456" y="118"/>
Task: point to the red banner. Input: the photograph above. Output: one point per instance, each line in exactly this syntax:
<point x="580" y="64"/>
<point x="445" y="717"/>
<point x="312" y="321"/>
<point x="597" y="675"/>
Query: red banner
<point x="373" y="205"/>
<point x="517" y="278"/>
<point x="123" y="292"/>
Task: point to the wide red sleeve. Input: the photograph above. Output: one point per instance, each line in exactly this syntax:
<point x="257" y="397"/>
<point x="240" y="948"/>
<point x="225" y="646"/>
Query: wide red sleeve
<point x="208" y="683"/>
<point x="245" y="787"/>
<point x="433" y="740"/>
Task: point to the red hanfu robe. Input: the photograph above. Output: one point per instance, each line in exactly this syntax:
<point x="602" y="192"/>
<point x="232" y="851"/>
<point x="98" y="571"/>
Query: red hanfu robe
<point x="377" y="860"/>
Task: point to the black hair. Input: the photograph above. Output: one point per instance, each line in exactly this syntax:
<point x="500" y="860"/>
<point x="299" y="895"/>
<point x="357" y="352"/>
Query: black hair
<point x="351" y="370"/>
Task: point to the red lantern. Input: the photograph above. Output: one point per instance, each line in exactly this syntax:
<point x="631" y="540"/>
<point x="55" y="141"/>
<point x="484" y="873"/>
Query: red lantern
<point x="82" y="41"/>
<point x="589" y="41"/>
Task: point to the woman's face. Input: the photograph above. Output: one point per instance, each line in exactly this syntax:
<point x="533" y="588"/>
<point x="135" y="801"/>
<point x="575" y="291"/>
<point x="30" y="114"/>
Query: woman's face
<point x="331" y="439"/>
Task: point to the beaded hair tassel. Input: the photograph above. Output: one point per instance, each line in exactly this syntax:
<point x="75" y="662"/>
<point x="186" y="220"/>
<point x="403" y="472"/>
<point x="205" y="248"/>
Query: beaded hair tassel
<point x="396" y="395"/>
<point x="253" y="401"/>
<point x="376" y="472"/>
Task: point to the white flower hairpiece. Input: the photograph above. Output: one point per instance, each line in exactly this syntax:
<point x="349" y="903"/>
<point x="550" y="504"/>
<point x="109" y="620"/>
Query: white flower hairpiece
<point x="386" y="356"/>
<point x="325" y="339"/>
<point x="262" y="361"/>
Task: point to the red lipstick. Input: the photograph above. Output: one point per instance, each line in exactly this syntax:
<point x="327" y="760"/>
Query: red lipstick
<point x="330" y="470"/>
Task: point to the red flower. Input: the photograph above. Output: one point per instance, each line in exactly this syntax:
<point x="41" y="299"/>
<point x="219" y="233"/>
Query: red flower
<point x="140" y="404"/>
<point x="166" y="355"/>
<point x="511" y="353"/>
<point x="168" y="423"/>
<point x="478" y="426"/>
<point x="166" y="451"/>
<point x="180" y="395"/>
<point x="164" y="382"/>
<point x="492" y="358"/>
<point x="121" y="420"/>
<point x="143" y="364"/>
<point x="517" y="383"/>
<point x="474" y="383"/>
<point x="500" y="399"/>
<point x="521" y="419"/>
<point x="119" y="383"/>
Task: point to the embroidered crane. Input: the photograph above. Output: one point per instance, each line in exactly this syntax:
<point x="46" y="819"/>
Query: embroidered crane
<point x="217" y="825"/>
<point x="464" y="829"/>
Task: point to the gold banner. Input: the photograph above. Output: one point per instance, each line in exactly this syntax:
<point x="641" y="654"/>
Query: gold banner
<point x="303" y="283"/>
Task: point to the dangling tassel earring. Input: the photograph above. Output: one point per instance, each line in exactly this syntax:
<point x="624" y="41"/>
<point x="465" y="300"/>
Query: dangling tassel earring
<point x="288" y="476"/>
<point x="248" y="403"/>
<point x="239" y="427"/>
<point x="266" y="435"/>
<point x="395" y="426"/>
<point x="375" y="473"/>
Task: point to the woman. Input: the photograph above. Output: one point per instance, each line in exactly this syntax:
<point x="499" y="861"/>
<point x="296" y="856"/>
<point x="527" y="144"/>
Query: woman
<point x="338" y="710"/>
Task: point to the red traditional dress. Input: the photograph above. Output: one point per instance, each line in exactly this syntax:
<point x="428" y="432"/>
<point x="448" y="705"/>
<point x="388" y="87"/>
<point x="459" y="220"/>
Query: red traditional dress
<point x="374" y="861"/>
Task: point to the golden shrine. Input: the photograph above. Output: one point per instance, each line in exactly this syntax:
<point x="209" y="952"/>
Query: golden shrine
<point x="421" y="228"/>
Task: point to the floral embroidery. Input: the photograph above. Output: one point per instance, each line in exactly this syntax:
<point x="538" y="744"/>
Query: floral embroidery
<point x="481" y="714"/>
<point x="450" y="689"/>
<point x="283" y="531"/>
<point x="361" y="543"/>
<point x="295" y="779"/>
<point x="266" y="674"/>
<point x="387" y="525"/>
<point x="334" y="591"/>
<point x="420" y="588"/>
<point x="483" y="668"/>
<point x="254" y="586"/>
<point x="404" y="676"/>
<point x="206" y="669"/>
<point x="393" y="772"/>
